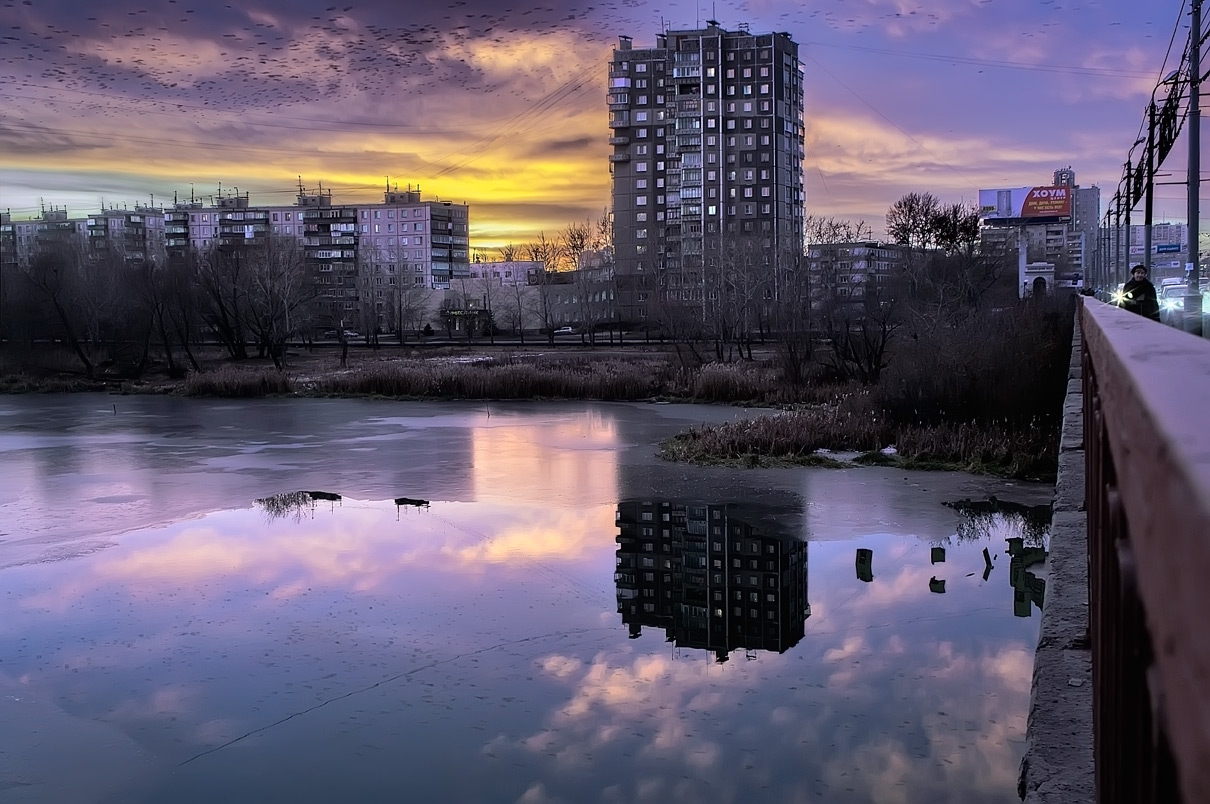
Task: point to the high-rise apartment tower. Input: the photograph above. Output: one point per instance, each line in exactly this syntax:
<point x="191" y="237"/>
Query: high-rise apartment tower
<point x="707" y="165"/>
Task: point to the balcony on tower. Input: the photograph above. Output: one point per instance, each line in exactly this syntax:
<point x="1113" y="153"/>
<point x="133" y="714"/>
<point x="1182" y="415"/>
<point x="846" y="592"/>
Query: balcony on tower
<point x="619" y="119"/>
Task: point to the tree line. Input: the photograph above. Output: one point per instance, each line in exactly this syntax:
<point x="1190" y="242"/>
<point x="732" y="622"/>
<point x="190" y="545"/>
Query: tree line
<point x="749" y="290"/>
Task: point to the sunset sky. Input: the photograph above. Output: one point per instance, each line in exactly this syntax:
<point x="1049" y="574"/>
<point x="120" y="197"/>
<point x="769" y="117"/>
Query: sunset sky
<point x="503" y="105"/>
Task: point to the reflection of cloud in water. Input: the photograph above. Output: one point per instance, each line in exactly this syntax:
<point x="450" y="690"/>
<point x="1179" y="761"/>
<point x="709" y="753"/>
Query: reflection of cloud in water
<point x="573" y="459"/>
<point x="361" y="547"/>
<point x="943" y="726"/>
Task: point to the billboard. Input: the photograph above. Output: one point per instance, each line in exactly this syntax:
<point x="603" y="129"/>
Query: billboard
<point x="1026" y="204"/>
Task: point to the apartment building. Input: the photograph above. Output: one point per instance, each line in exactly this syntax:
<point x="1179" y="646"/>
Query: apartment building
<point x="132" y="236"/>
<point x="418" y="241"/>
<point x="1081" y="234"/>
<point x="8" y="245"/>
<point x="846" y="273"/>
<point x="707" y="128"/>
<point x="51" y="227"/>
<point x="363" y="255"/>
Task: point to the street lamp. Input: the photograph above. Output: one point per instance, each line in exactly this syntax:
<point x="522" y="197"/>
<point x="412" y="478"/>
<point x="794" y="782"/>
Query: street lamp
<point x="1168" y="122"/>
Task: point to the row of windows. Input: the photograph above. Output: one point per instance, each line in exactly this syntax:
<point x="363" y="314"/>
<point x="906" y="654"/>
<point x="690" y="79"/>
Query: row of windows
<point x="403" y="213"/>
<point x="692" y="194"/>
<point x="205" y="217"/>
<point x="686" y="56"/>
<point x="403" y="227"/>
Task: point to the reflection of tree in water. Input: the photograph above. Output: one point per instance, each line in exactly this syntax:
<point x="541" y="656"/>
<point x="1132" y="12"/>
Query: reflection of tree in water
<point x="293" y="504"/>
<point x="980" y="518"/>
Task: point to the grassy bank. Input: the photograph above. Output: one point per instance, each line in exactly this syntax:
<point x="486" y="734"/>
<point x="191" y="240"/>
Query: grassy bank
<point x="580" y="377"/>
<point x="795" y="438"/>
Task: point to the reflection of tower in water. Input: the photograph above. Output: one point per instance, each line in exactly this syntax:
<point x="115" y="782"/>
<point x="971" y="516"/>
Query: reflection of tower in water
<point x="710" y="580"/>
<point x="1028" y="588"/>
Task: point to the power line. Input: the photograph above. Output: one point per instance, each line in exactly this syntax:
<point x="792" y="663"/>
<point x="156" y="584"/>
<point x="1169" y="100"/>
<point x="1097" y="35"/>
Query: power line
<point x="876" y="111"/>
<point x="344" y="125"/>
<point x="1012" y="65"/>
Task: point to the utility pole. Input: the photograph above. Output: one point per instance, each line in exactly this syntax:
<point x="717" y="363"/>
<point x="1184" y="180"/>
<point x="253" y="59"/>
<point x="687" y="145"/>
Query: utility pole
<point x="1129" y="206"/>
<point x="1117" y="239"/>
<point x="1148" y="205"/>
<point x="1193" y="292"/>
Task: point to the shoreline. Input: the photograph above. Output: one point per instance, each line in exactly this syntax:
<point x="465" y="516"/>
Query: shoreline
<point x="819" y="424"/>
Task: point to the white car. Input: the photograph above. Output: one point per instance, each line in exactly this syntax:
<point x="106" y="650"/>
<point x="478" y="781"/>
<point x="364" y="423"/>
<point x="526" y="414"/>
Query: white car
<point x="1172" y="297"/>
<point x="565" y="331"/>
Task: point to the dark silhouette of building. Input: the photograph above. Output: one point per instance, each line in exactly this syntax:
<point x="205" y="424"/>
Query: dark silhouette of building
<point x="708" y="578"/>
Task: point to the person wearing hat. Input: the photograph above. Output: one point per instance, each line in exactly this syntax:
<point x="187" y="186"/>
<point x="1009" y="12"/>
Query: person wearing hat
<point x="1139" y="296"/>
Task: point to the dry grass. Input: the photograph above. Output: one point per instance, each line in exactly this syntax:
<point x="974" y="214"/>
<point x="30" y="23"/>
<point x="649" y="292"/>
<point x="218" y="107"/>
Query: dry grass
<point x="603" y="380"/>
<point x="236" y="382"/>
<point x="849" y="423"/>
<point x="796" y="437"/>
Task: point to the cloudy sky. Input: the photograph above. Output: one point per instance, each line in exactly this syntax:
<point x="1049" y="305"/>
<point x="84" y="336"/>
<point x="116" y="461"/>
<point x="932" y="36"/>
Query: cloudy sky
<point x="503" y="105"/>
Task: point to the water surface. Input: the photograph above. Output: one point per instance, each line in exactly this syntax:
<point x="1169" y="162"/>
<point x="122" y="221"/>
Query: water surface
<point x="499" y="603"/>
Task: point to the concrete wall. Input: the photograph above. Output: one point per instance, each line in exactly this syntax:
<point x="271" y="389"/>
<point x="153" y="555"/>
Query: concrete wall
<point x="1058" y="764"/>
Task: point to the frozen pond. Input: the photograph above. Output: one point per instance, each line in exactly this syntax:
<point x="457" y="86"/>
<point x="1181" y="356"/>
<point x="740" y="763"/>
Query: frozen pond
<point x="492" y="603"/>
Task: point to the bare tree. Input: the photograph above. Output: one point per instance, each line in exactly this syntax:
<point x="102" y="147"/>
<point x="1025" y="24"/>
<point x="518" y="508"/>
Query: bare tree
<point x="101" y="298"/>
<point x="55" y="273"/>
<point x="279" y="289"/>
<point x="790" y="317"/>
<point x="516" y="306"/>
<point x="551" y="254"/>
<point x="146" y="293"/>
<point x="737" y="283"/>
<point x="860" y="333"/>
<point x="835" y="230"/>
<point x="222" y="283"/>
<point x="489" y="290"/>
<point x="948" y="275"/>
<point x="181" y="312"/>
<point x="410" y="305"/>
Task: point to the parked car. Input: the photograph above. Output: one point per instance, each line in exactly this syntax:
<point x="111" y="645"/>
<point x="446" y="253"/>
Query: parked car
<point x="565" y="331"/>
<point x="331" y="334"/>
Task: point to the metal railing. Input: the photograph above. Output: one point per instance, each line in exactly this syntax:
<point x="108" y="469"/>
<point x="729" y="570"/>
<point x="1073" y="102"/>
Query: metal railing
<point x="1147" y="438"/>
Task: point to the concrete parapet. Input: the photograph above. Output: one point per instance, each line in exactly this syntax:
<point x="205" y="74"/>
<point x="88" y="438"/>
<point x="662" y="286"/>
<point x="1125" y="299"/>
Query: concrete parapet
<point x="1058" y="766"/>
